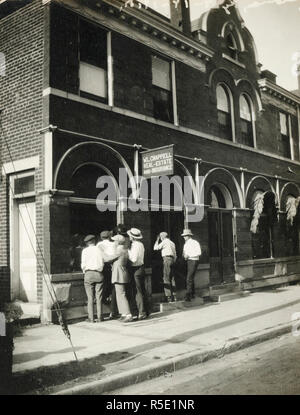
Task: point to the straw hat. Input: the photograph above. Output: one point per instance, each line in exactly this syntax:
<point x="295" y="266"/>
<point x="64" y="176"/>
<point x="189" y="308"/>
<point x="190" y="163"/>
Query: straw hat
<point x="187" y="232"/>
<point x="135" y="233"/>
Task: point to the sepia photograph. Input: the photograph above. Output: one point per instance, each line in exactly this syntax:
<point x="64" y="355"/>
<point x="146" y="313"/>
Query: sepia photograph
<point x="150" y="200"/>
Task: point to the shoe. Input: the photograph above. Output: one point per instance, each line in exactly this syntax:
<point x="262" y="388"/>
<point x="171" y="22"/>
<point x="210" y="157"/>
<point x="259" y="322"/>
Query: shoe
<point x="142" y="317"/>
<point x="127" y="319"/>
<point x="88" y="320"/>
<point x="98" y="320"/>
<point x="122" y="318"/>
<point x="169" y="299"/>
<point x="174" y="298"/>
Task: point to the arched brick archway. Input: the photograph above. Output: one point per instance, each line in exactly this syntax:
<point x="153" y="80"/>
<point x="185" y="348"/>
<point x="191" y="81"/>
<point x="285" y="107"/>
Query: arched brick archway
<point x="258" y="183"/>
<point x="88" y="152"/>
<point x="223" y="176"/>
<point x="289" y="189"/>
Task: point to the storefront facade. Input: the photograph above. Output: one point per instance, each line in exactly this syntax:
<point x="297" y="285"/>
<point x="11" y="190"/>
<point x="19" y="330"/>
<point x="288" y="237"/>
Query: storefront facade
<point x="235" y="134"/>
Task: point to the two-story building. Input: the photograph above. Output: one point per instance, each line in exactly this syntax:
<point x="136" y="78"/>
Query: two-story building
<point x="86" y="87"/>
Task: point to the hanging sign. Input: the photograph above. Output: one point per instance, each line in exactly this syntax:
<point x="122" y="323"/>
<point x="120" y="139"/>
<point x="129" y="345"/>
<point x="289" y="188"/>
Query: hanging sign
<point x="158" y="162"/>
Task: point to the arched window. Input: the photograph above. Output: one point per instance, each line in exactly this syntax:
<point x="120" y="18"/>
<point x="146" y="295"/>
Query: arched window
<point x="224" y="112"/>
<point x="219" y="197"/>
<point x="247" y="124"/>
<point x="231" y="45"/>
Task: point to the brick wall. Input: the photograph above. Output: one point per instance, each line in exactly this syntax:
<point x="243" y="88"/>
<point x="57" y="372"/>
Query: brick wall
<point x="21" y="40"/>
<point x="196" y="95"/>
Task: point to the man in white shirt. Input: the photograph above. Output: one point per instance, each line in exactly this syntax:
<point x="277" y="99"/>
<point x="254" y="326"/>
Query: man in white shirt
<point x="168" y="253"/>
<point x="92" y="265"/>
<point x="191" y="253"/>
<point x="137" y="274"/>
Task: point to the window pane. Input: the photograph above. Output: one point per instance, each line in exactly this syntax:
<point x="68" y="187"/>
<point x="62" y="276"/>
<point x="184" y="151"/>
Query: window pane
<point x="245" y="109"/>
<point x="224" y="120"/>
<point x="231" y="41"/>
<point x="93" y="47"/>
<point x="283" y="124"/>
<point x="162" y="104"/>
<point x="24" y="185"/>
<point x="231" y="45"/>
<point x="222" y="99"/>
<point x="246" y="133"/>
<point x="93" y="80"/>
<point x="161" y="73"/>
<point x="284" y="146"/>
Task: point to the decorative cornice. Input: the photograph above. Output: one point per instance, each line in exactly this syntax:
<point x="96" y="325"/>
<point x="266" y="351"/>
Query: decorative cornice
<point x="278" y="92"/>
<point x="144" y="20"/>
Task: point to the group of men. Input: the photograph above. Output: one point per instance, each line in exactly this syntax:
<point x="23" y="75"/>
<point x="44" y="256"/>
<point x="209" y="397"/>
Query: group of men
<point x="114" y="268"/>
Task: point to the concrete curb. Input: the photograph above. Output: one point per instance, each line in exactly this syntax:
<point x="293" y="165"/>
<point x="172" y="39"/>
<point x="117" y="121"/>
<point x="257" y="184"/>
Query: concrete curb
<point x="153" y="370"/>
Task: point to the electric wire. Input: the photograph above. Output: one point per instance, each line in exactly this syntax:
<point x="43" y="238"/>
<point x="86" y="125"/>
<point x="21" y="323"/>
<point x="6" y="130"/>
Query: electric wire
<point x="51" y="291"/>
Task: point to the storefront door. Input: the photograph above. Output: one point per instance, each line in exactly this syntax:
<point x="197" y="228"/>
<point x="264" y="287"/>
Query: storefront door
<point x="221" y="249"/>
<point x="24" y="284"/>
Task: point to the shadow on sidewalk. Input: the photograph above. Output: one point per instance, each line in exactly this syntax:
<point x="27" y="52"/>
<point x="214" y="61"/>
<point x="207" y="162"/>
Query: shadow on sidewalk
<point x="27" y="357"/>
<point x="182" y="337"/>
<point x="47" y="376"/>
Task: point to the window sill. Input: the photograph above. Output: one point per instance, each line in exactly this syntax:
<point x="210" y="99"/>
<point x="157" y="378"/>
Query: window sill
<point x="227" y="57"/>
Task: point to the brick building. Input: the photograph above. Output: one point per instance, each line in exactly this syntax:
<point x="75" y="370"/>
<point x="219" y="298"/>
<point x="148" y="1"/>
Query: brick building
<point x="87" y="86"/>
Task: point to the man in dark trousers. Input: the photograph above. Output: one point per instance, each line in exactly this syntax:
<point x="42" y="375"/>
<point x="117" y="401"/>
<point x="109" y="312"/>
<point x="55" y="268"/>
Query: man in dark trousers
<point x="191" y="253"/>
<point x="168" y="253"/>
<point x="92" y="265"/>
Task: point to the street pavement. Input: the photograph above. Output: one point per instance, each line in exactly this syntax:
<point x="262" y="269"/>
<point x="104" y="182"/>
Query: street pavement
<point x="113" y="354"/>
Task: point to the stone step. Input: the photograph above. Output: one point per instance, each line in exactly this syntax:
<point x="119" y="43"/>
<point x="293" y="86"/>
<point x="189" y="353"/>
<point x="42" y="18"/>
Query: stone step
<point x="180" y="305"/>
<point x="226" y="288"/>
<point x="229" y="296"/>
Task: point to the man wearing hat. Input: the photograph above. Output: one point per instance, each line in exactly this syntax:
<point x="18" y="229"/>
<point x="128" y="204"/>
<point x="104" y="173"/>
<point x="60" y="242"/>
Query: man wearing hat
<point x="92" y="266"/>
<point x="137" y="273"/>
<point x="168" y="253"/>
<point x="191" y="253"/>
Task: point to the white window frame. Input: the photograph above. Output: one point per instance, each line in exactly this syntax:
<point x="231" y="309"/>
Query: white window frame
<point x="173" y="88"/>
<point x="231" y="103"/>
<point x="253" y="118"/>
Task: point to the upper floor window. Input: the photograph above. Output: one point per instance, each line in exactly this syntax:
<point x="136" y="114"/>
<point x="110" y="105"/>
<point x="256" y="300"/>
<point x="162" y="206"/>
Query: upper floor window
<point x="246" y="121"/>
<point x="284" y="142"/>
<point x="232" y="47"/>
<point x="162" y="89"/>
<point x="224" y="112"/>
<point x="93" y="62"/>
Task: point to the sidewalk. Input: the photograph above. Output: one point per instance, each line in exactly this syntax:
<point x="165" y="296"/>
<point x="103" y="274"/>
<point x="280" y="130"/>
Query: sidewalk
<point x="113" y="355"/>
